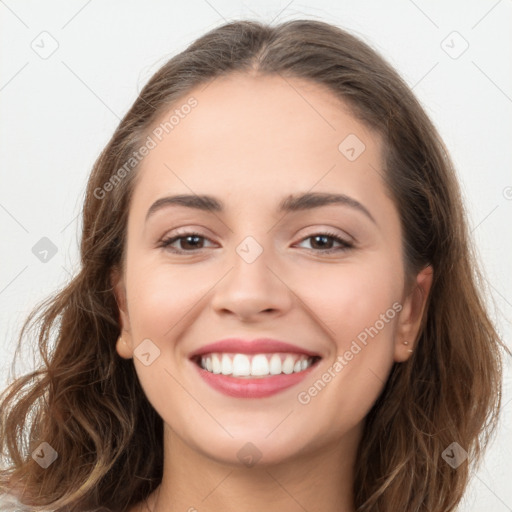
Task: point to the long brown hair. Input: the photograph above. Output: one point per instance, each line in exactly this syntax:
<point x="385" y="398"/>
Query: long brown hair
<point x="87" y="403"/>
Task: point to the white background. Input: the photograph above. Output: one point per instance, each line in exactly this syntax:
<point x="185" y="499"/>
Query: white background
<point x="59" y="112"/>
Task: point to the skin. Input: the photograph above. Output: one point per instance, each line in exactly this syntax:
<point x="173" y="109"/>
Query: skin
<point x="251" y="142"/>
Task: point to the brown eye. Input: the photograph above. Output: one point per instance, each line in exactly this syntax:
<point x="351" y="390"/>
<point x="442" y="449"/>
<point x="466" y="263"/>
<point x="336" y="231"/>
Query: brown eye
<point x="190" y="242"/>
<point x="187" y="242"/>
<point x="323" y="242"/>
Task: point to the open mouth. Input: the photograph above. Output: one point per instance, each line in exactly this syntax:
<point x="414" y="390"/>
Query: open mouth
<point x="253" y="366"/>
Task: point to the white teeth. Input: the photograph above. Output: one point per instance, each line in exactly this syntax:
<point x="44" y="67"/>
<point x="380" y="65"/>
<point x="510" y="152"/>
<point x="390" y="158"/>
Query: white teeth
<point x="241" y="365"/>
<point x="216" y="364"/>
<point x="258" y="365"/>
<point x="227" y="365"/>
<point x="288" y="365"/>
<point x="275" y="365"/>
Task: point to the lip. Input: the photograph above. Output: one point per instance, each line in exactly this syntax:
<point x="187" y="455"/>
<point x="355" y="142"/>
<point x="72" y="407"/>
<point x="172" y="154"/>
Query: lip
<point x="257" y="346"/>
<point x="260" y="387"/>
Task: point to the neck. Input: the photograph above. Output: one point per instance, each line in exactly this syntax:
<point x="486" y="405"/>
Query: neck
<point x="320" y="480"/>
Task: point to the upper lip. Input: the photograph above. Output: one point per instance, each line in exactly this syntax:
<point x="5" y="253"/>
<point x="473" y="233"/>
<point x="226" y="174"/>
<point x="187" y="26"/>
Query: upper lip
<point x="257" y="346"/>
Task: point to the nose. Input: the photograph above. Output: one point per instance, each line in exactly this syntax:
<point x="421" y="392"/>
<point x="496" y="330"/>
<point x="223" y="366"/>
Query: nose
<point x="253" y="290"/>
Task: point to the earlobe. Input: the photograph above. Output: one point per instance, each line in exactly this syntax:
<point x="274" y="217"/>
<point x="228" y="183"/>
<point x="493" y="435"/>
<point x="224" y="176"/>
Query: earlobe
<point x="123" y="349"/>
<point x="412" y="315"/>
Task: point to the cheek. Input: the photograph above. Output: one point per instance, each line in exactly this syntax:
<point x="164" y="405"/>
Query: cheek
<point x="358" y="308"/>
<point x="160" y="296"/>
<point x="351" y="299"/>
<point x="346" y="299"/>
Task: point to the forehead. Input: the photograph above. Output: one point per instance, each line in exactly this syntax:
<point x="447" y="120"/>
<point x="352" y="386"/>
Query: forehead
<point x="254" y="136"/>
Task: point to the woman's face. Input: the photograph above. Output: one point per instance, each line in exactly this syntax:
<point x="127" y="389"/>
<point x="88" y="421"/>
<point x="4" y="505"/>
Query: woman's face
<point x="326" y="277"/>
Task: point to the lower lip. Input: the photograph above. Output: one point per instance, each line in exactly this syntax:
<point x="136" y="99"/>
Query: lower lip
<point x="252" y="388"/>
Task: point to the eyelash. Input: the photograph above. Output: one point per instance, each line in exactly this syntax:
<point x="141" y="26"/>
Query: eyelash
<point x="166" y="243"/>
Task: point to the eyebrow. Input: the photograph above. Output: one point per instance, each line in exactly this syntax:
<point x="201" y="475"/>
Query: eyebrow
<point x="292" y="203"/>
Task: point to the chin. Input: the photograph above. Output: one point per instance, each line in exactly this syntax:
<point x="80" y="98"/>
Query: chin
<point x="251" y="447"/>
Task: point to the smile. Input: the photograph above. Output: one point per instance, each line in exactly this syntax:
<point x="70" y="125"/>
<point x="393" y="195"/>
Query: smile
<point x="253" y="376"/>
<point x="257" y="365"/>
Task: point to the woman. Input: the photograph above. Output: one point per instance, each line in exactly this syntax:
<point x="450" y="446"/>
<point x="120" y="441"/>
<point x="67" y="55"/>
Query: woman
<point x="277" y="304"/>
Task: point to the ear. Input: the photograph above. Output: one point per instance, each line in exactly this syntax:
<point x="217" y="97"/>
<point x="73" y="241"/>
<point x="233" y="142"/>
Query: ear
<point x="124" y="344"/>
<point x="411" y="315"/>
